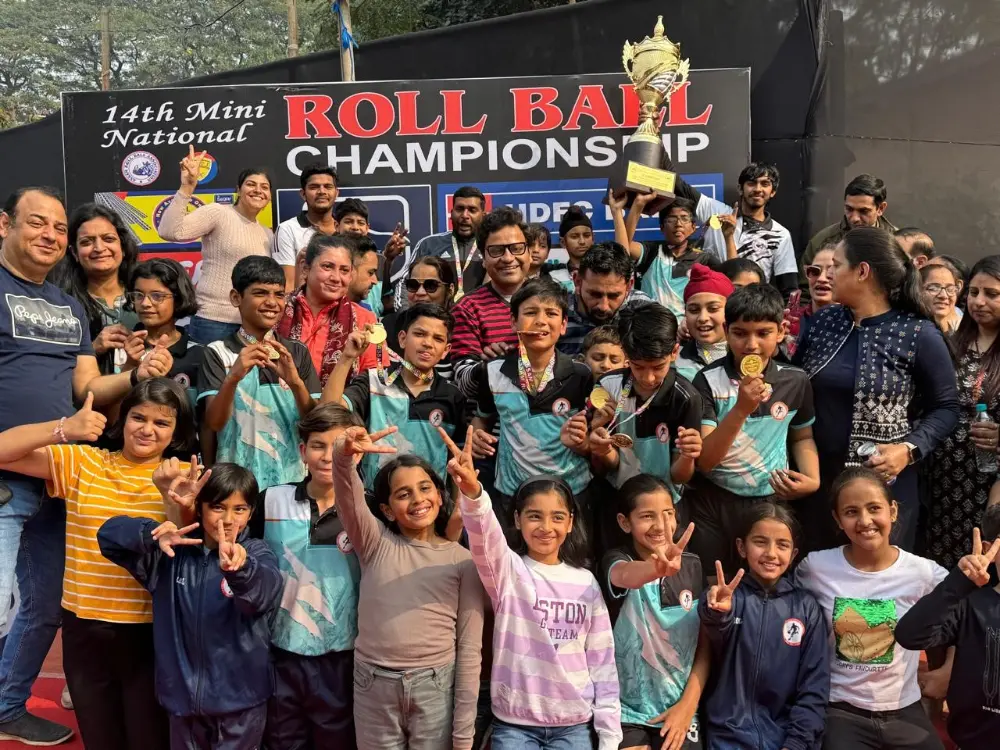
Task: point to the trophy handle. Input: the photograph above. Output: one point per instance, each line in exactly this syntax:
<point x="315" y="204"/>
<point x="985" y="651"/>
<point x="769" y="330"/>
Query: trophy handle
<point x="628" y="55"/>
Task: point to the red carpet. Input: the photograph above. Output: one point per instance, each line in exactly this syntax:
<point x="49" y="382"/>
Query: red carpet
<point x="44" y="702"/>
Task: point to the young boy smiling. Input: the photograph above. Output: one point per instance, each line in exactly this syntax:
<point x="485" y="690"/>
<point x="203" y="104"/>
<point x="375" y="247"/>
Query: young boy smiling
<point x="539" y="396"/>
<point x="255" y="384"/>
<point x="408" y="395"/>
<point x="705" y="314"/>
<point x="757" y="414"/>
<point x="313" y="633"/>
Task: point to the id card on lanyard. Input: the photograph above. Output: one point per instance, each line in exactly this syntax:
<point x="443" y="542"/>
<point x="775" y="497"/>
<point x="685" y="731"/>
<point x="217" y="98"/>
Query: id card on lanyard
<point x="461" y="268"/>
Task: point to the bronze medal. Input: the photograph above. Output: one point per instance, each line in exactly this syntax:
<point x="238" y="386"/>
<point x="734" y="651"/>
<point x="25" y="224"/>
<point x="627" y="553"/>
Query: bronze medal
<point x="621" y="441"/>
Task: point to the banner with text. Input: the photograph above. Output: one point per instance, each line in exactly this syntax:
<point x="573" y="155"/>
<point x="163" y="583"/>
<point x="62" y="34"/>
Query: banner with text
<point x="538" y="143"/>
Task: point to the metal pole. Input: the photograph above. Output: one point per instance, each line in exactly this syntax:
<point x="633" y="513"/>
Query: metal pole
<point x="293" y="29"/>
<point x="346" y="53"/>
<point x="105" y="49"/>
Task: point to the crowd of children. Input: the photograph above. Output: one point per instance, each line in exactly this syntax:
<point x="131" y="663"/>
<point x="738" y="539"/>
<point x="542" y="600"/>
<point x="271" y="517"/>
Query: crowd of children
<point x="555" y="552"/>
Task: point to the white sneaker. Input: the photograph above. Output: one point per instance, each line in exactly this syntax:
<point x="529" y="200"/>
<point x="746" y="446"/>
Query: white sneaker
<point x="66" y="700"/>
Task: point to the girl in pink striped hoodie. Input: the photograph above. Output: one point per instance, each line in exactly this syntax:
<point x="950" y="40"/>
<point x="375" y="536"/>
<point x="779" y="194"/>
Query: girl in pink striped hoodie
<point x="554" y="676"/>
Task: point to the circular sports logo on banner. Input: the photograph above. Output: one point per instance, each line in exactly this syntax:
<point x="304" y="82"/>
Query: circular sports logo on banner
<point x="141" y="168"/>
<point x="209" y="169"/>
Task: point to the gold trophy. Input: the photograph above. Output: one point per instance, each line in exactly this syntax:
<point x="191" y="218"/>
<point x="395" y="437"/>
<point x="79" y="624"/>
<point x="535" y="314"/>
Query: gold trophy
<point x="655" y="67"/>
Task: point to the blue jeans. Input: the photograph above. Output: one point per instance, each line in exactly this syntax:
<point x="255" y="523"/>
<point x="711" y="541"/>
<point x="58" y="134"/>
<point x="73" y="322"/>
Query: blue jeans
<point x="32" y="547"/>
<point x="515" y="737"/>
<point x="204" y="331"/>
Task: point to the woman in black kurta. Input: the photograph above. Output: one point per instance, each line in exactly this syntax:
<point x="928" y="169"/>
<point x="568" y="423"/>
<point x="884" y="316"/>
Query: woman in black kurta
<point x="882" y="375"/>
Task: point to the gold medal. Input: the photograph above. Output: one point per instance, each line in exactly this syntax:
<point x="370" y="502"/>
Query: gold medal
<point x="599" y="397"/>
<point x="621" y="441"/>
<point x="751" y="365"/>
<point x="458" y="295"/>
<point x="377" y="335"/>
<point x="273" y="353"/>
<point x="715" y="223"/>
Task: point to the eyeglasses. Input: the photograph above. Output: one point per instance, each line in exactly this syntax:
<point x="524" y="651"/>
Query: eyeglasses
<point x="814" y="272"/>
<point x="679" y="221"/>
<point x="157" y="298"/>
<point x="431" y="286"/>
<point x="935" y="289"/>
<point x="515" y="248"/>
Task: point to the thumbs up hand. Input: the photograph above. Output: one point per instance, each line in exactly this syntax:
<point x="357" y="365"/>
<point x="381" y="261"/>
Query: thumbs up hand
<point x="86" y="425"/>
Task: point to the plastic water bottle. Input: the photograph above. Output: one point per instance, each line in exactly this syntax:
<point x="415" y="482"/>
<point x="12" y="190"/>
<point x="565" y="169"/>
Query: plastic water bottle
<point x="986" y="460"/>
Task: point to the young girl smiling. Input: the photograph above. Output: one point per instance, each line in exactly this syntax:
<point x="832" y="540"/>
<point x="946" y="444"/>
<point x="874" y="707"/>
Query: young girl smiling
<point x="550" y="616"/>
<point x="420" y="610"/>
<point x="864" y="588"/>
<point x="107" y="615"/>
<point x="770" y="678"/>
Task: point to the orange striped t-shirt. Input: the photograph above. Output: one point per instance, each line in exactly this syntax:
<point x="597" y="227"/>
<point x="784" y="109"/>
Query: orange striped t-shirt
<point x="98" y="485"/>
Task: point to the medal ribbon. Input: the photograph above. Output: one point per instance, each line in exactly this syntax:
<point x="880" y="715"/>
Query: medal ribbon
<point x="249" y="340"/>
<point x="459" y="268"/>
<point x="527" y="374"/>
<point x="394" y="376"/>
<point x="622" y="398"/>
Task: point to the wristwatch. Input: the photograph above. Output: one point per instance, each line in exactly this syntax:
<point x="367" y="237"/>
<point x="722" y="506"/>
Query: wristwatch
<point x="913" y="454"/>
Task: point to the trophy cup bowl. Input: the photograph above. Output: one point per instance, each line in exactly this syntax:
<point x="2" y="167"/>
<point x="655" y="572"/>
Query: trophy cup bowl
<point x="656" y="70"/>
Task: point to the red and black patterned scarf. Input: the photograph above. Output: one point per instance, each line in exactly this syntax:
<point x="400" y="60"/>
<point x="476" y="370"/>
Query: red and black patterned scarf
<point x="342" y="321"/>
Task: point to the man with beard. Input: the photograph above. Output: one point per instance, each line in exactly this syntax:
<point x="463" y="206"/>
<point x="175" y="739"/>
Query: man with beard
<point x="319" y="191"/>
<point x="457" y="247"/>
<point x="864" y="206"/>
<point x="604" y="284"/>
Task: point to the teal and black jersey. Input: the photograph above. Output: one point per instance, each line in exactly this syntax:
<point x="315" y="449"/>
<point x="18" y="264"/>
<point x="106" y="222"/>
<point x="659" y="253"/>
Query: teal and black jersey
<point x="656" y="635"/>
<point x="417" y="417"/>
<point x="693" y="357"/>
<point x="318" y="612"/>
<point x="530" y="426"/>
<point x="762" y="444"/>
<point x="676" y="404"/>
<point x="665" y="276"/>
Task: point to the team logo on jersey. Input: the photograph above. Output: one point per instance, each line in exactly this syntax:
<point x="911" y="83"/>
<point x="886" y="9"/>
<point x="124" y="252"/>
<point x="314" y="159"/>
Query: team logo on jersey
<point x="686" y="599"/>
<point x="226" y="591"/>
<point x="141" y="168"/>
<point x="779" y="410"/>
<point x="793" y="631"/>
<point x="561" y="407"/>
<point x="436" y="418"/>
<point x="344" y="544"/>
<point x="663" y="432"/>
<point x="182" y="379"/>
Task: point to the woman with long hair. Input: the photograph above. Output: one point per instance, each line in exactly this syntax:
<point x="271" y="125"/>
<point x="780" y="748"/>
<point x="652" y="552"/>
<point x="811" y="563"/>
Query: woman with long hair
<point x="227" y="233"/>
<point x="958" y="490"/>
<point x="876" y="362"/>
<point x="102" y="254"/>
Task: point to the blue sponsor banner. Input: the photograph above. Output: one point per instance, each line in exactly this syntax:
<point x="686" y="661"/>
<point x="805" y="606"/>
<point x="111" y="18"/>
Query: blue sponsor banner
<point x="545" y="202"/>
<point x="387" y="206"/>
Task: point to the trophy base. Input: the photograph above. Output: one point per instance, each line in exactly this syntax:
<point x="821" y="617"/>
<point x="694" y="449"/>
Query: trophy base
<point x="640" y="171"/>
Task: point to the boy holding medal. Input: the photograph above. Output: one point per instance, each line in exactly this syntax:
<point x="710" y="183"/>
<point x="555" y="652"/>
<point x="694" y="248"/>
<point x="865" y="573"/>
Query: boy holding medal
<point x="539" y="397"/>
<point x="647" y="419"/>
<point x="757" y="413"/>
<point x="408" y="394"/>
<point x="254" y="385"/>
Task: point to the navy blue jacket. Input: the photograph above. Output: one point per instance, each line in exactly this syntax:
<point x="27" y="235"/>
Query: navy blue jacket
<point x="770" y="679"/>
<point x="211" y="629"/>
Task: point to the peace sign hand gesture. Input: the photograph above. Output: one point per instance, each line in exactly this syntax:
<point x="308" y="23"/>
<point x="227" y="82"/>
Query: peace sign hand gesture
<point x="232" y="556"/>
<point x="356" y="442"/>
<point x="191" y="168"/>
<point x="667" y="559"/>
<point x="460" y="466"/>
<point x="720" y="596"/>
<point x="977" y="565"/>
<point x="168" y="536"/>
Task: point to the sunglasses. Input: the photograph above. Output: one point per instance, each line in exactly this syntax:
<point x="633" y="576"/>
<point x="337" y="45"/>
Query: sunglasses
<point x="430" y="286"/>
<point x="814" y="272"/>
